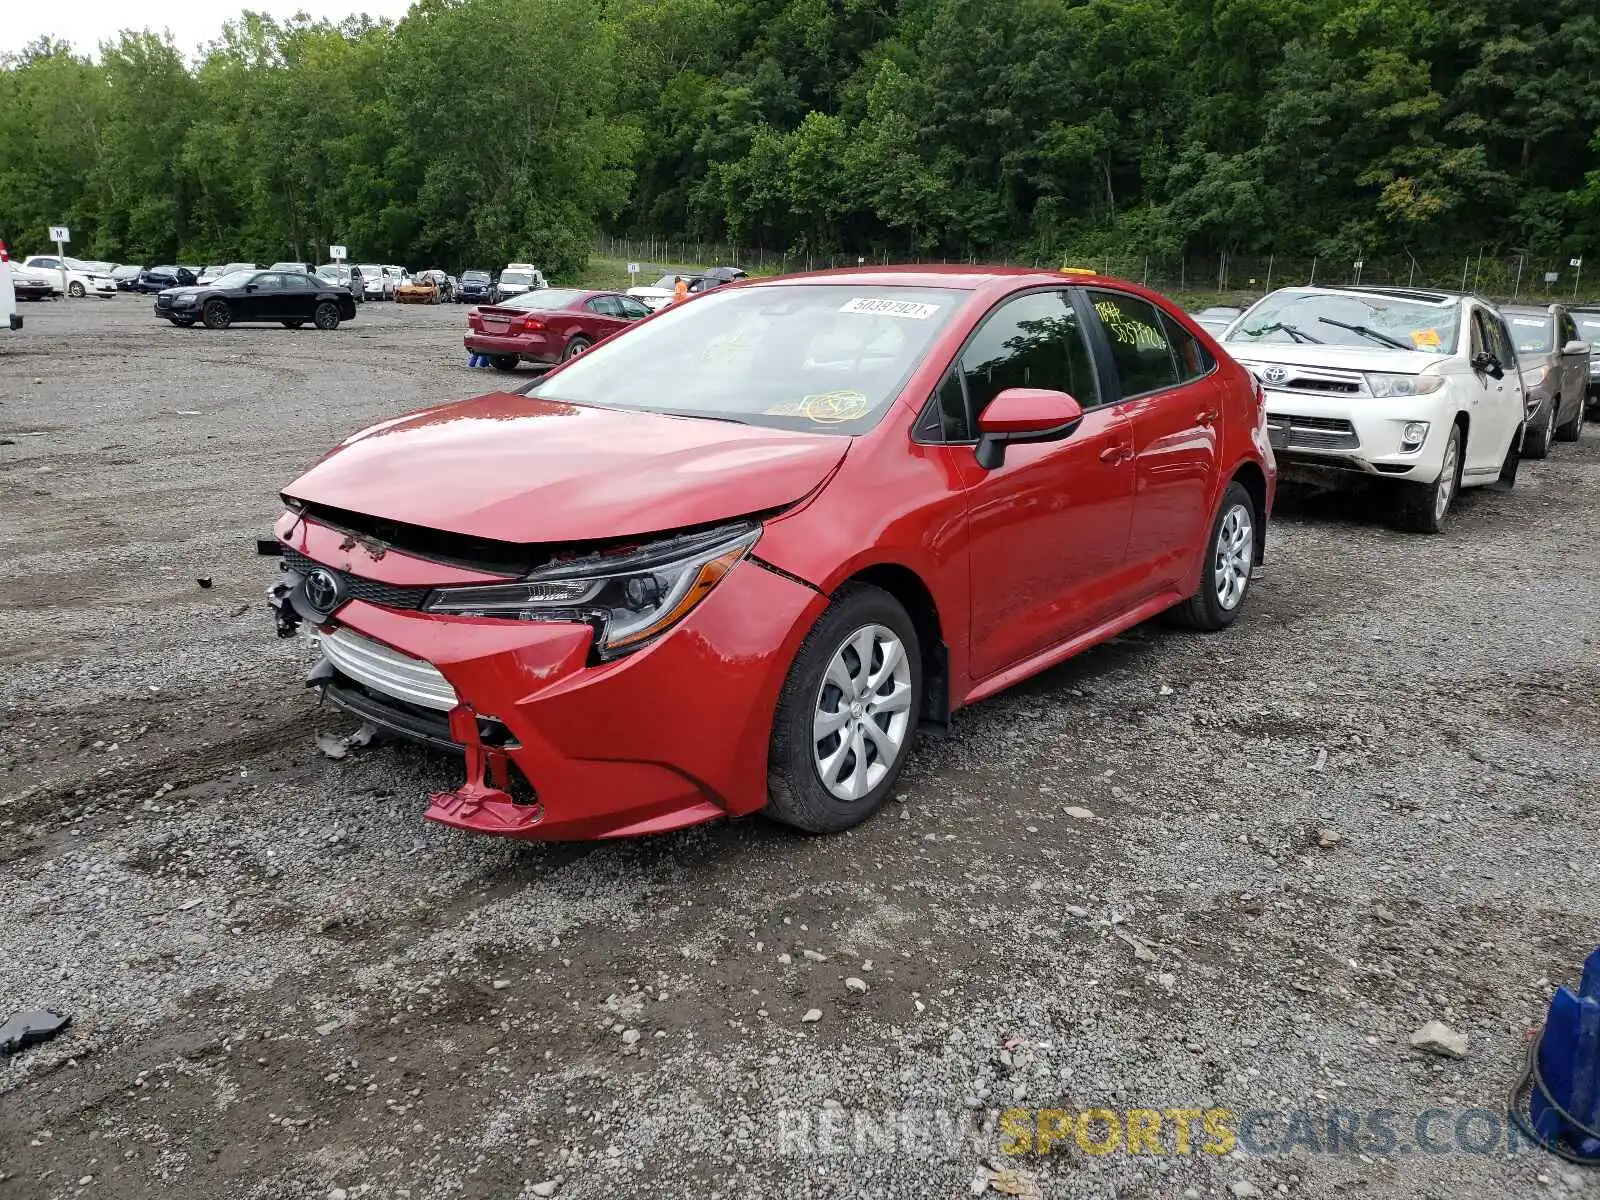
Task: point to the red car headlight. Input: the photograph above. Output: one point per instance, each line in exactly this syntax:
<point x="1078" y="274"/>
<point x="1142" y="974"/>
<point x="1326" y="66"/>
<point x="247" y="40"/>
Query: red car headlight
<point x="630" y="598"/>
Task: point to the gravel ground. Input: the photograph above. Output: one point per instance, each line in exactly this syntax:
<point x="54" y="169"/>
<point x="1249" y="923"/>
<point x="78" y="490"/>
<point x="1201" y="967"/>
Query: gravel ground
<point x="1180" y="872"/>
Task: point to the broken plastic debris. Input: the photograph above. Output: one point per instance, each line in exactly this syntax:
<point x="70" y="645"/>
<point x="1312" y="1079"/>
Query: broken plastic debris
<point x="336" y="745"/>
<point x="30" y="1028"/>
<point x="204" y="581"/>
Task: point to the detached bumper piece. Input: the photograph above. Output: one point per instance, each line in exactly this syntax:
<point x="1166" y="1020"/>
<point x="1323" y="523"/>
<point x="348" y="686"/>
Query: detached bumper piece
<point x="484" y="803"/>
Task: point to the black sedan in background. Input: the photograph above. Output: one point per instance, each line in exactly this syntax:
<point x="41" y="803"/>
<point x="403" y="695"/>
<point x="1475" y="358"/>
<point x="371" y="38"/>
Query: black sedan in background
<point x="475" y="287"/>
<point x="288" y="298"/>
<point x="158" y="279"/>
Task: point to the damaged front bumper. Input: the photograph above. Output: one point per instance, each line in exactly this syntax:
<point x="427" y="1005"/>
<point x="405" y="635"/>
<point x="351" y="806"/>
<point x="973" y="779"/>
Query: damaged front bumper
<point x="557" y="745"/>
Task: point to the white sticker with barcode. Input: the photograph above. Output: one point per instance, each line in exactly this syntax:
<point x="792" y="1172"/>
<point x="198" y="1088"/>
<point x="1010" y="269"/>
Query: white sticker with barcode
<point x="911" y="309"/>
<point x="1528" y="322"/>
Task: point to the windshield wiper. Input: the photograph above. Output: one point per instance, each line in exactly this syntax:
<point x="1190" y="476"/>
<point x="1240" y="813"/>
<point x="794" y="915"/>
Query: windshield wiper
<point x="1367" y="331"/>
<point x="1295" y="333"/>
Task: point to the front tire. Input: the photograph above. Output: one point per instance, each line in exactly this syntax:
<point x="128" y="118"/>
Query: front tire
<point x="847" y="714"/>
<point x="1229" y="565"/>
<point x="575" y="347"/>
<point x="1424" y="506"/>
<point x="216" y="315"/>
<point x="326" y="315"/>
<point x="76" y="290"/>
<point x="1572" y="430"/>
<point x="1536" y="444"/>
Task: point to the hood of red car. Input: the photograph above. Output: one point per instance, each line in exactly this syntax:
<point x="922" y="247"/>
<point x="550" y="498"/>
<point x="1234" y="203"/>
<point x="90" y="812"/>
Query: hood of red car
<point x="522" y="469"/>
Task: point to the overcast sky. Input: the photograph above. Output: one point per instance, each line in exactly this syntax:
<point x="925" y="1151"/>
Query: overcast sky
<point x="87" y="23"/>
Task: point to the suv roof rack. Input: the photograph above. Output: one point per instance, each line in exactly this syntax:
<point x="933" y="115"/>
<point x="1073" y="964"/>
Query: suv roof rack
<point x="1426" y="295"/>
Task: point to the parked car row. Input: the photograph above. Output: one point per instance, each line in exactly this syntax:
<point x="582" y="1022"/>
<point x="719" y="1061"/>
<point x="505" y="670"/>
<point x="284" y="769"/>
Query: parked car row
<point x="1429" y="391"/>
<point x="659" y="293"/>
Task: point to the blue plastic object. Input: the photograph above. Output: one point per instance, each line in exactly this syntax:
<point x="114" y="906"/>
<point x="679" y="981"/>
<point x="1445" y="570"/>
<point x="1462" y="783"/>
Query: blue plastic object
<point x="1569" y="1069"/>
<point x="477" y="360"/>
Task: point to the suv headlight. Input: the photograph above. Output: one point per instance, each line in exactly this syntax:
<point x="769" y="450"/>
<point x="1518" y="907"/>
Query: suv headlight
<point x="630" y="598"/>
<point x="1403" y="385"/>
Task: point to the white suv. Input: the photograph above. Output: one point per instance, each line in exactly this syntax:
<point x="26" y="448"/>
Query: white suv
<point x="1415" y="386"/>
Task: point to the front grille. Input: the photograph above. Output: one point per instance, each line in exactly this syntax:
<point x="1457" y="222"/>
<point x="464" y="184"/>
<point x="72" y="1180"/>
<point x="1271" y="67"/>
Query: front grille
<point x="1313" y="381"/>
<point x="386" y="670"/>
<point x="372" y="591"/>
<point x="1312" y="433"/>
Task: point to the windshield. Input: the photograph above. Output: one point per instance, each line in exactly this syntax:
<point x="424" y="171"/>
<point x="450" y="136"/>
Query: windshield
<point x="515" y="277"/>
<point x="233" y="279"/>
<point x="1531" y="334"/>
<point x="543" y="298"/>
<point x="1346" y="319"/>
<point x="823" y="358"/>
<point x="667" y="282"/>
<point x="474" y="277"/>
<point x="1589" y="327"/>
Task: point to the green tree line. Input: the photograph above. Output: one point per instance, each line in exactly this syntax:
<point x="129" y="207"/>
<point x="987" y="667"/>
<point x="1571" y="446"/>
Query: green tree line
<point x="481" y="131"/>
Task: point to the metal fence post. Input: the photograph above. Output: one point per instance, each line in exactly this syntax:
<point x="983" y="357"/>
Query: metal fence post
<point x="1271" y="259"/>
<point x="1313" y="270"/>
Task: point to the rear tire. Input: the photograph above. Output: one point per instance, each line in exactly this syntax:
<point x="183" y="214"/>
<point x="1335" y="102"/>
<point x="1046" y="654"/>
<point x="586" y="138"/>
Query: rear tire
<point x="326" y="315"/>
<point x="1229" y="565"/>
<point x="1536" y="444"/>
<point x="575" y="347"/>
<point x="504" y="362"/>
<point x="813" y="698"/>
<point x="216" y="315"/>
<point x="1424" y="506"/>
<point x="1573" y="429"/>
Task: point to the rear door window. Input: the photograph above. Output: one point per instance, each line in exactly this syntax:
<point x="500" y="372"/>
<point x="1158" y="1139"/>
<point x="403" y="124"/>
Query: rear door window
<point x="1141" y="350"/>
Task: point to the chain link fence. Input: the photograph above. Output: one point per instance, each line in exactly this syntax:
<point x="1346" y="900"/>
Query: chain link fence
<point x="1539" y="277"/>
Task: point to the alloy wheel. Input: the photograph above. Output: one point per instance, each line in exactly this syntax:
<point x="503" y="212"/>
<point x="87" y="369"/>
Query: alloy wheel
<point x="1235" y="553"/>
<point x="862" y="718"/>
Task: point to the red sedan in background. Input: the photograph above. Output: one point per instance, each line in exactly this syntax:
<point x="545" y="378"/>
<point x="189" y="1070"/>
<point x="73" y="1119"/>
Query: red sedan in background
<point x="736" y="559"/>
<point x="549" y="325"/>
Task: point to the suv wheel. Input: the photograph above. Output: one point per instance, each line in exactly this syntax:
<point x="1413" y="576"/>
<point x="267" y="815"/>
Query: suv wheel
<point x="1230" y="558"/>
<point x="1573" y="429"/>
<point x="847" y="714"/>
<point x="1536" y="444"/>
<point x="1424" y="506"/>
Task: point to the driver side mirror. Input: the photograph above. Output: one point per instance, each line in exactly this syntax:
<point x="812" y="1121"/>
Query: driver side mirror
<point x="1486" y="363"/>
<point x="250" y="287"/>
<point x="1021" y="415"/>
<point x="1575" y="346"/>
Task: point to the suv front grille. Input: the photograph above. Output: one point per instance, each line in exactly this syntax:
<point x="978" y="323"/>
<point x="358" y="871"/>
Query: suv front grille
<point x="372" y="591"/>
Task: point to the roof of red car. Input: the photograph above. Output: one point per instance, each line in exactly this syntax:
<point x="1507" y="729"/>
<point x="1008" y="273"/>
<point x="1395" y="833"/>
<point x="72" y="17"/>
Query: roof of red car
<point x="963" y="276"/>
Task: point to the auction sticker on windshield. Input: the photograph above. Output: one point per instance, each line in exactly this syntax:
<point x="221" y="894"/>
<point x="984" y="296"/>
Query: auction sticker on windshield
<point x="889" y="308"/>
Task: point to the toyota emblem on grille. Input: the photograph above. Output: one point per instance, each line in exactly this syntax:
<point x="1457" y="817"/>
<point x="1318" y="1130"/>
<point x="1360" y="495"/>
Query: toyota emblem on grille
<point x="1274" y="375"/>
<point x="323" y="590"/>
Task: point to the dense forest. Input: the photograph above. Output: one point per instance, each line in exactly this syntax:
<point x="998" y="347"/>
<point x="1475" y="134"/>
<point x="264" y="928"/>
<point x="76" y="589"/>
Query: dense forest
<point x="488" y="130"/>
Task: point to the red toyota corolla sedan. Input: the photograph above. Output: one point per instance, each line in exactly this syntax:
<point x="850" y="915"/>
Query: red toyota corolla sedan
<point x="735" y="560"/>
<point x="549" y="325"/>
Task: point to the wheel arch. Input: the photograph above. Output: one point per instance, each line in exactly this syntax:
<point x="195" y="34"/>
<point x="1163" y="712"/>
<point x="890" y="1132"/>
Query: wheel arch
<point x="914" y="595"/>
<point x="1250" y="476"/>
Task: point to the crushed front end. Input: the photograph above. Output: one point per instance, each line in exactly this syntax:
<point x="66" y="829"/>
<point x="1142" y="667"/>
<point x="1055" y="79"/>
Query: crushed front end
<point x="600" y="694"/>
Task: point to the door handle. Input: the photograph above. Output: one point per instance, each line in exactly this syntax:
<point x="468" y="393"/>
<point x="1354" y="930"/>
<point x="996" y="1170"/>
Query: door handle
<point x="1208" y="416"/>
<point x="1117" y="453"/>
